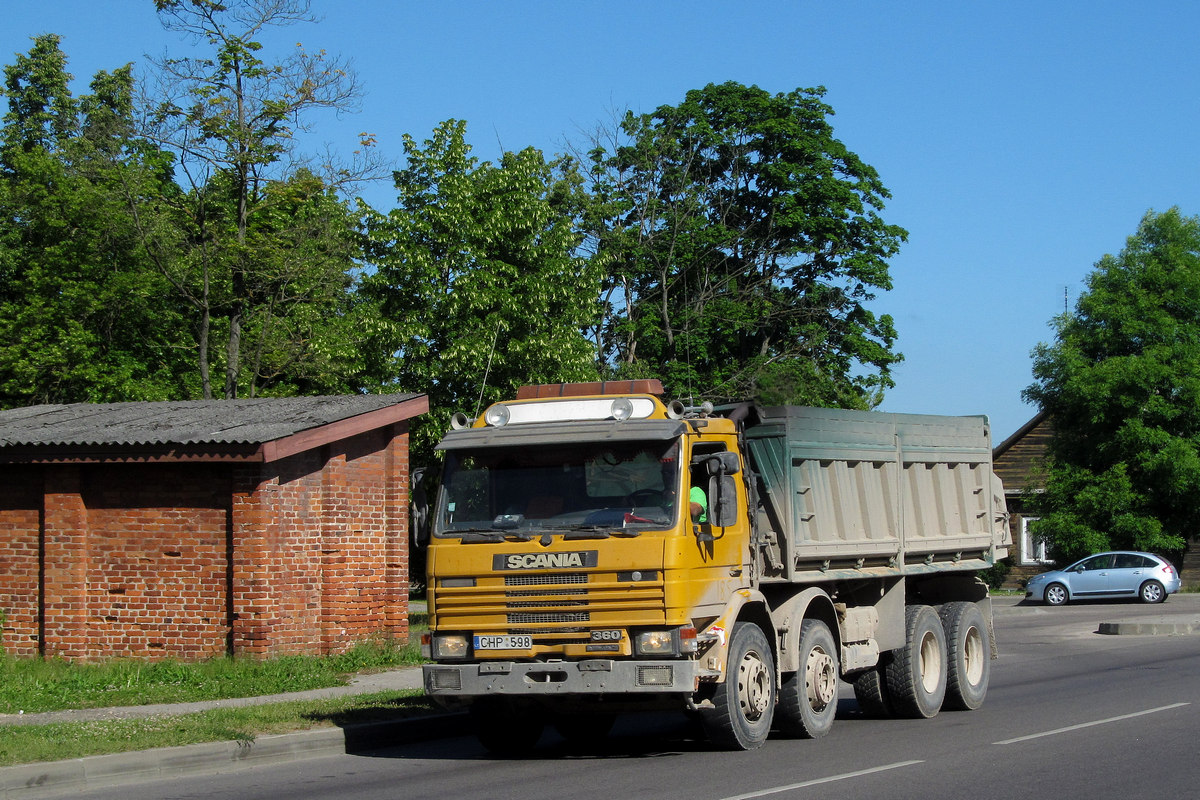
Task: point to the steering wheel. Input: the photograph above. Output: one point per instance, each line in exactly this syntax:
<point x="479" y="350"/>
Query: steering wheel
<point x="646" y="497"/>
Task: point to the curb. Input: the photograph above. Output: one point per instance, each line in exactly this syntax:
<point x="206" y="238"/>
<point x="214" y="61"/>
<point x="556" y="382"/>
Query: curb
<point x="212" y="758"/>
<point x="1148" y="628"/>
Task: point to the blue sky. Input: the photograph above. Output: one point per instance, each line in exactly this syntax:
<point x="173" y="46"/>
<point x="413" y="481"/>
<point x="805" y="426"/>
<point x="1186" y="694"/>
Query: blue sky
<point x="1021" y="141"/>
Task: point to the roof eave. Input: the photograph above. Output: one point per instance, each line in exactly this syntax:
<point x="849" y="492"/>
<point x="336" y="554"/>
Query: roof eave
<point x="342" y="429"/>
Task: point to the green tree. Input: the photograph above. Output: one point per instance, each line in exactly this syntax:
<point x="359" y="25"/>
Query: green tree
<point x="742" y="245"/>
<point x="82" y="317"/>
<point x="255" y="266"/>
<point x="1121" y="386"/>
<point x="477" y="278"/>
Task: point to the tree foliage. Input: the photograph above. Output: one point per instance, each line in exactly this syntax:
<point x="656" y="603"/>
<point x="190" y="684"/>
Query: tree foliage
<point x="742" y="244"/>
<point x="81" y="317"/>
<point x="230" y="116"/>
<point x="1121" y="385"/>
<point x="477" y="278"/>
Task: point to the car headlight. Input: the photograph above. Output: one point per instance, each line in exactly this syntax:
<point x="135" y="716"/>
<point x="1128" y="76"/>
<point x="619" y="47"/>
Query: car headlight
<point x="449" y="646"/>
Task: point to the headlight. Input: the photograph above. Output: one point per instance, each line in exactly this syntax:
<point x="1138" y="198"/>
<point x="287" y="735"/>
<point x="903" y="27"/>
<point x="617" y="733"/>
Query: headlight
<point x="449" y="646"/>
<point x="656" y="643"/>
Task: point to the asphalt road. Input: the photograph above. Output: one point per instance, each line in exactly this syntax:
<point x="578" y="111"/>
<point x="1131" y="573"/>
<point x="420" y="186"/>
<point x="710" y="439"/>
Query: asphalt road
<point x="1070" y="714"/>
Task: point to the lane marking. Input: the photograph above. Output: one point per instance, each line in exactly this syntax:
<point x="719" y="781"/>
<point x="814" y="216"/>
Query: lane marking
<point x="1057" y="731"/>
<point x="819" y="781"/>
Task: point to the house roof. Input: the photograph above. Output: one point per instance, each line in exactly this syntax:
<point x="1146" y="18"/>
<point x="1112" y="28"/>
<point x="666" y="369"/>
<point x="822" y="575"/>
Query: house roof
<point x="1019" y="435"/>
<point x="1018" y="460"/>
<point x="259" y="429"/>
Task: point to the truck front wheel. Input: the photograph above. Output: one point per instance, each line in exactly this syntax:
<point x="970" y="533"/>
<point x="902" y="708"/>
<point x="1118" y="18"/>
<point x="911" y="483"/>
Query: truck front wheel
<point x="744" y="705"/>
<point x="916" y="675"/>
<point x="808" y="696"/>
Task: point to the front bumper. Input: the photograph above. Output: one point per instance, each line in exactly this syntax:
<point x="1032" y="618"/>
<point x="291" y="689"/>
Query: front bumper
<point x="559" y="678"/>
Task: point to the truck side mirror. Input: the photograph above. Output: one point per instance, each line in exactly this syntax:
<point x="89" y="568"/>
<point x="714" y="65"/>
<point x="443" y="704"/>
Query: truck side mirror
<point x="724" y="463"/>
<point x="722" y="501"/>
<point x="419" y="523"/>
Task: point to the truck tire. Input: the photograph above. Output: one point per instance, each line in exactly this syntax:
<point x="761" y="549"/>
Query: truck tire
<point x="916" y="675"/>
<point x="968" y="655"/>
<point x="871" y="692"/>
<point x="507" y="727"/>
<point x="744" y="705"/>
<point x="808" y="696"/>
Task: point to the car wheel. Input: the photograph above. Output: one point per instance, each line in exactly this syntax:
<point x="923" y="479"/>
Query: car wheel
<point x="1055" y="595"/>
<point x="1152" y="592"/>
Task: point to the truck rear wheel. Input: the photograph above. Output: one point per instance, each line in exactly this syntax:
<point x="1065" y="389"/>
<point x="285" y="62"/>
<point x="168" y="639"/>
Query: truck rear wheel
<point x="916" y="675"/>
<point x="871" y="692"/>
<point x="808" y="697"/>
<point x="969" y="655"/>
<point x="744" y="704"/>
<point x="507" y="727"/>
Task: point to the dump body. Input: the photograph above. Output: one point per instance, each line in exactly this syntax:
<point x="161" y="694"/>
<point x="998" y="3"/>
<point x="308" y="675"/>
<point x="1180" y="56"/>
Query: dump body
<point x="846" y="490"/>
<point x="568" y="573"/>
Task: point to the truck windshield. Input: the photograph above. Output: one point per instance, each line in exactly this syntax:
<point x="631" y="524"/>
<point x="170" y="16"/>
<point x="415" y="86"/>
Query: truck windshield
<point x="585" y="487"/>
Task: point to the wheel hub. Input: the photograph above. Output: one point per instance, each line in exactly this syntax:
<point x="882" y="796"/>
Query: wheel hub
<point x="820" y="679"/>
<point x="754" y="686"/>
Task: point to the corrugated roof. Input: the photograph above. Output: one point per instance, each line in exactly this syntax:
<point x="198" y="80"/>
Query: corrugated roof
<point x="201" y="422"/>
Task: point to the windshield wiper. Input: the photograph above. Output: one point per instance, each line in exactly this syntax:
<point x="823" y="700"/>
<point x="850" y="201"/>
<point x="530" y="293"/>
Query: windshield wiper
<point x="478" y="535"/>
<point x="589" y="532"/>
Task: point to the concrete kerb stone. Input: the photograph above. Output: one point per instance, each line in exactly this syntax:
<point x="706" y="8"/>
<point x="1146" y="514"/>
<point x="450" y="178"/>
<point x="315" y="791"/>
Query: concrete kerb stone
<point x="28" y="781"/>
<point x="1136" y="628"/>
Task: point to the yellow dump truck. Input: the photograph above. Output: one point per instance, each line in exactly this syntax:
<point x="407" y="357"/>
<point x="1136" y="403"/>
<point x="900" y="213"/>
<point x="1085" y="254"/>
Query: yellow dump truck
<point x="596" y="551"/>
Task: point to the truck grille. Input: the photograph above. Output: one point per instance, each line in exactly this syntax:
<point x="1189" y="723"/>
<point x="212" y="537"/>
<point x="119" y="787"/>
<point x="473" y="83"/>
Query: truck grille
<point x="542" y="580"/>
<point x="561" y="617"/>
<point x="555" y="608"/>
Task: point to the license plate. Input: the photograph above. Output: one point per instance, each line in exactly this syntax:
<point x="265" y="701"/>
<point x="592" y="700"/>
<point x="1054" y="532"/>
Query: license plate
<point x="504" y="642"/>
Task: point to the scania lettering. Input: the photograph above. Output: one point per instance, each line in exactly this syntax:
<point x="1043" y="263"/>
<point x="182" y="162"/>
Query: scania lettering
<point x="569" y="579"/>
<point x="545" y="561"/>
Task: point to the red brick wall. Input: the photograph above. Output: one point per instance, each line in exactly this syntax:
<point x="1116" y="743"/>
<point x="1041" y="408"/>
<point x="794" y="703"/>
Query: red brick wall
<point x="320" y="548"/>
<point x="156" y="577"/>
<point x="20" y="523"/>
<point x="304" y="555"/>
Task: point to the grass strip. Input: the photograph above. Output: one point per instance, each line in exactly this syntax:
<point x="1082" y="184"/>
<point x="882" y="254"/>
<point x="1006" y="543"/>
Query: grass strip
<point x="33" y="685"/>
<point x="23" y="744"/>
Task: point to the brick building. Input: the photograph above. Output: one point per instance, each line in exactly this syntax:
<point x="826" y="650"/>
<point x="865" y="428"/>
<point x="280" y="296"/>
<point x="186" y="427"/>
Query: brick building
<point x="193" y="529"/>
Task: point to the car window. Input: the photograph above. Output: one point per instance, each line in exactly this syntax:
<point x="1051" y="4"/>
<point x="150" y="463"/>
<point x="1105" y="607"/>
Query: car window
<point x="1102" y="561"/>
<point x="1131" y="561"/>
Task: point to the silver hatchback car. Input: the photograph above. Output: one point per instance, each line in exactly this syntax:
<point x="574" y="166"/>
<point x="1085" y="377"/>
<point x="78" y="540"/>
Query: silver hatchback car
<point x="1121" y="573"/>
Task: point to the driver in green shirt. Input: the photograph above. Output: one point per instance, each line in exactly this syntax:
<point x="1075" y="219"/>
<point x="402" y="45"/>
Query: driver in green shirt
<point x="698" y="504"/>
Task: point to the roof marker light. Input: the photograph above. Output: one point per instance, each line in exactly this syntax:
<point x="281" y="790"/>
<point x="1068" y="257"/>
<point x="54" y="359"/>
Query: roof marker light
<point x="622" y="409"/>
<point x="498" y="415"/>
